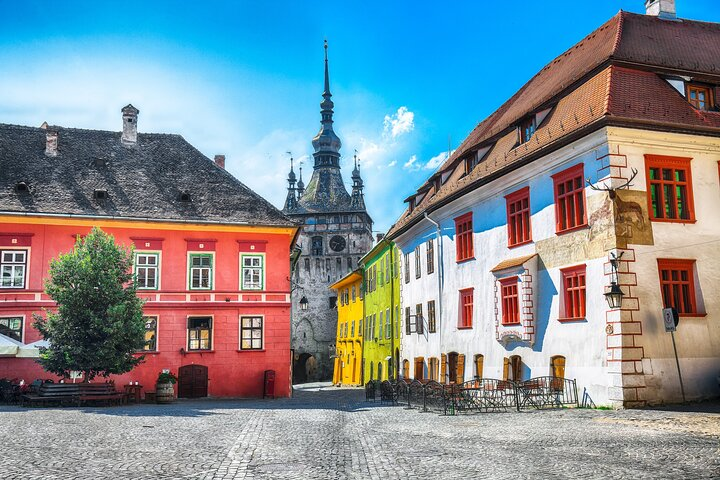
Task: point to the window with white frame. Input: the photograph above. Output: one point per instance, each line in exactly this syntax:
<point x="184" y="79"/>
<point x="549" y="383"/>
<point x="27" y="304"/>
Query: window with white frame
<point x="201" y="271"/>
<point x="146" y="270"/>
<point x="12" y="327"/>
<point x="13" y="264"/>
<point x="252" y="272"/>
<point x="251" y="333"/>
<point x="199" y="333"/>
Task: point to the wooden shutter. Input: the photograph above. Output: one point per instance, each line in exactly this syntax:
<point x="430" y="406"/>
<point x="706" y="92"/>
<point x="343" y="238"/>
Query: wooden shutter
<point x="506" y="368"/>
<point x="443" y="367"/>
<point x="460" y="368"/>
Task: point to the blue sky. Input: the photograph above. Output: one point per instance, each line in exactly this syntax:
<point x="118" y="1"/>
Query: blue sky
<point x="409" y="79"/>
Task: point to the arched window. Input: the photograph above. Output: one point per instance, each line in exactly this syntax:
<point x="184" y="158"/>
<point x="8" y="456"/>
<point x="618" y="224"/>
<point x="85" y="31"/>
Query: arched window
<point x="317" y="246"/>
<point x="515" y="371"/>
<point x="433" y="368"/>
<point x="419" y="368"/>
<point x="371" y="371"/>
<point x="380" y="370"/>
<point x="406" y="368"/>
<point x="557" y="366"/>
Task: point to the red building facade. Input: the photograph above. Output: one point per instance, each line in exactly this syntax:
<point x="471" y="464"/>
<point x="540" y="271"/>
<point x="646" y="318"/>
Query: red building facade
<point x="216" y="284"/>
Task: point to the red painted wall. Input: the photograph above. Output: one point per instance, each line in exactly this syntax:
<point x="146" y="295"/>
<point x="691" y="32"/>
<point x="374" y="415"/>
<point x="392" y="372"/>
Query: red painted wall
<point x="231" y="372"/>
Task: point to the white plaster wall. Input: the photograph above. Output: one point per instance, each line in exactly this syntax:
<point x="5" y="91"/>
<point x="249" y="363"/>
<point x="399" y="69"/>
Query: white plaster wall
<point x="697" y="338"/>
<point x="582" y="343"/>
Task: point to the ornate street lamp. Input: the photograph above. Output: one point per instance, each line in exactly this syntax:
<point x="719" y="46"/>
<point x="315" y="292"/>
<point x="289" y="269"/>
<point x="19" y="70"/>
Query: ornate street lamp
<point x="303" y="303"/>
<point x="615" y="294"/>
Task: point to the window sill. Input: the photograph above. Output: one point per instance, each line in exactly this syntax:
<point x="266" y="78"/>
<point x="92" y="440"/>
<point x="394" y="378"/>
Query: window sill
<point x="248" y="350"/>
<point x="573" y="229"/>
<point x="465" y="260"/>
<point x="193" y="352"/>
<point x="464" y="327"/>
<point x="148" y="352"/>
<point x="571" y="320"/>
<point x="514" y="324"/>
<point x="673" y="220"/>
<point x="692" y="315"/>
<point x="515" y="245"/>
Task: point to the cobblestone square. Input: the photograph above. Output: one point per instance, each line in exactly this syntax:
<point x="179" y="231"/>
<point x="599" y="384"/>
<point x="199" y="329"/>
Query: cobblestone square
<point x="326" y="432"/>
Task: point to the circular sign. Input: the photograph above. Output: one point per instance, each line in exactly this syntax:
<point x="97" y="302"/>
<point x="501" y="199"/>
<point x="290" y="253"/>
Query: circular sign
<point x="609" y="329"/>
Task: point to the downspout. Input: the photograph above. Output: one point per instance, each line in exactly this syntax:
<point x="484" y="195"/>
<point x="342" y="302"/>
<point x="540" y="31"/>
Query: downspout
<point x="440" y="277"/>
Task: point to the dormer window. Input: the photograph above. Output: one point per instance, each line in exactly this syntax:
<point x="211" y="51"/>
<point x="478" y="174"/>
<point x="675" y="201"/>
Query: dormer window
<point x="527" y="129"/>
<point x="100" y="194"/>
<point x="21" y="188"/>
<point x="700" y="97"/>
<point x="185" y="197"/>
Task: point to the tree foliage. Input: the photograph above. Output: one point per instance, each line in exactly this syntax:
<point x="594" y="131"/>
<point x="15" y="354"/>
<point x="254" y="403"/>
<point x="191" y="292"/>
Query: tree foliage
<point x="98" y="325"/>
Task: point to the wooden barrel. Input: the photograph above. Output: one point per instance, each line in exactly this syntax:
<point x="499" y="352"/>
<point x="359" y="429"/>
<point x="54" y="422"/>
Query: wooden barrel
<point x="164" y="393"/>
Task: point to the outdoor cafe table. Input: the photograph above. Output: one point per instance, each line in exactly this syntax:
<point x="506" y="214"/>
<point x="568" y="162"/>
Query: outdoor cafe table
<point x="133" y="391"/>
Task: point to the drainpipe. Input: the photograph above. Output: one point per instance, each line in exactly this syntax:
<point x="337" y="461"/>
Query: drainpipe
<point x="440" y="277"/>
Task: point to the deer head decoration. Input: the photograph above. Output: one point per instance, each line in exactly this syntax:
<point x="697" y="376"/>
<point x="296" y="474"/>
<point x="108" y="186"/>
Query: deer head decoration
<point x="612" y="192"/>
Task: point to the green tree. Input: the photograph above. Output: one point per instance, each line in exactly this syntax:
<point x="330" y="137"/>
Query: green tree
<point x="98" y="325"/>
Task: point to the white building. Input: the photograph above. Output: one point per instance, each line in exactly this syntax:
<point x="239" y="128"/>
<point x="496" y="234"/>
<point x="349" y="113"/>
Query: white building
<point x="521" y="244"/>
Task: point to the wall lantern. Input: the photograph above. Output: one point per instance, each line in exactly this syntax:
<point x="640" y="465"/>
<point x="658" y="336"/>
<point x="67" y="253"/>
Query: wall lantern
<point x="615" y="294"/>
<point x="303" y="303"/>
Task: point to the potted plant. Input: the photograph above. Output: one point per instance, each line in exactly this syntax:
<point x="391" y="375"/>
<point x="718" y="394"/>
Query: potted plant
<point x="164" y="388"/>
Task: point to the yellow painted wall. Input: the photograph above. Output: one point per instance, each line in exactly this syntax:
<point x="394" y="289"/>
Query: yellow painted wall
<point x="348" y="346"/>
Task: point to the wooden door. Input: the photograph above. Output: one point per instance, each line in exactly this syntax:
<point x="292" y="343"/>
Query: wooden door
<point x="419" y="368"/>
<point x="460" y="376"/>
<point x="479" y="360"/>
<point x="193" y="381"/>
<point x="452" y="360"/>
<point x="558" y="366"/>
<point x="443" y="368"/>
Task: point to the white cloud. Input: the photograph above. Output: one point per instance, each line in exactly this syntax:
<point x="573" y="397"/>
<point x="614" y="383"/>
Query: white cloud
<point x="399" y="123"/>
<point x="437" y="160"/>
<point x="412" y="164"/>
<point x="392" y="164"/>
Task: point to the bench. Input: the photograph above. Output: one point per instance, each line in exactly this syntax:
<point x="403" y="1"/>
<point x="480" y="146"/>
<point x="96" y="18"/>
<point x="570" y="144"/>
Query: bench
<point x="59" y="393"/>
<point x="100" y="392"/>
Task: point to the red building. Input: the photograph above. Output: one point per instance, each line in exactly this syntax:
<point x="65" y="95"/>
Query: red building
<point x="211" y="256"/>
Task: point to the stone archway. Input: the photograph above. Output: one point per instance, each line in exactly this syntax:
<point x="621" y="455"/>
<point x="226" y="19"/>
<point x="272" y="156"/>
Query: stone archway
<point x="304" y="368"/>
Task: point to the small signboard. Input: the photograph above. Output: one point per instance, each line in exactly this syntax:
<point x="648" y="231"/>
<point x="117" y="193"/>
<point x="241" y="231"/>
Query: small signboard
<point x="670" y="319"/>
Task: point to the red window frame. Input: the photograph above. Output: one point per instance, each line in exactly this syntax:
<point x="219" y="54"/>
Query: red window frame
<point x="465" y="319"/>
<point x="573" y="285"/>
<point x="519" y="228"/>
<point x="705" y="104"/>
<point x="677" y="285"/>
<point x="660" y="187"/>
<point x="570" y="205"/>
<point x="464" y="238"/>
<point x="510" y="301"/>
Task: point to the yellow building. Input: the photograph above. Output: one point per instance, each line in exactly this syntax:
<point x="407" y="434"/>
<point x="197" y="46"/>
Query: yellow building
<point x="348" y="346"/>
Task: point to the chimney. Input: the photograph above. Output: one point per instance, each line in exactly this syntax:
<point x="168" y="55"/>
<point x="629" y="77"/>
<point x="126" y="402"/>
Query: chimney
<point x="129" y="133"/>
<point x="664" y="9"/>
<point x="379" y="237"/>
<point x="51" y="143"/>
<point x="220" y="161"/>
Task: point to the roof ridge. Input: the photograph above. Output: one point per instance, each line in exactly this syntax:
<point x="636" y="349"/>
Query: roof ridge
<point x="618" y="33"/>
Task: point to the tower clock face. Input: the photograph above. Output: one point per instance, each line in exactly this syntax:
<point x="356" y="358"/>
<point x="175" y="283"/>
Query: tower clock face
<point x="337" y="243"/>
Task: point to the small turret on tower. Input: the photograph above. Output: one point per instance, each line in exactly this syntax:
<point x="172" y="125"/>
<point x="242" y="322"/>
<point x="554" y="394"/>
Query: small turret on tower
<point x="300" y="185"/>
<point x="358" y="199"/>
<point x="291" y="199"/>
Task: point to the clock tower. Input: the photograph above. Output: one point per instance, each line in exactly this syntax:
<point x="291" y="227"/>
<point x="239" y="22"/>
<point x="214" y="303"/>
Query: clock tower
<point x="336" y="232"/>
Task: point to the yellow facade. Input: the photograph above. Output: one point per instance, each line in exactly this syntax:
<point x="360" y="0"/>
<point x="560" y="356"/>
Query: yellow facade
<point x="348" y="345"/>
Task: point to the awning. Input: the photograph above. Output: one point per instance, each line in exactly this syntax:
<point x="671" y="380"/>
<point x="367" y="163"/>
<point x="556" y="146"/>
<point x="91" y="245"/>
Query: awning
<point x="9" y="346"/>
<point x="32" y="350"/>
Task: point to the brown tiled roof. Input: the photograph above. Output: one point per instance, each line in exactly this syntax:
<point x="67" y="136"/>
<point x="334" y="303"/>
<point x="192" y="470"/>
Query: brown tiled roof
<point x="607" y="77"/>
<point x="512" y="263"/>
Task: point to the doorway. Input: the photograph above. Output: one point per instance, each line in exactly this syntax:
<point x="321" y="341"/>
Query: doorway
<point x="452" y="367"/>
<point x="304" y="368"/>
<point x="193" y="381"/>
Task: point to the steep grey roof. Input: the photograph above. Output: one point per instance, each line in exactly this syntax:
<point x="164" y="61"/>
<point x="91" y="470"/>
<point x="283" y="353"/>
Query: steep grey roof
<point x="142" y="181"/>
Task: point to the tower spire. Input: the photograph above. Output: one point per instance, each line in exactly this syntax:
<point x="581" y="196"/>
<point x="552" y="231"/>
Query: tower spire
<point x="327" y="93"/>
<point x="357" y="197"/>
<point x="300" y="185"/>
<point x="326" y="143"/>
<point x="291" y="199"/>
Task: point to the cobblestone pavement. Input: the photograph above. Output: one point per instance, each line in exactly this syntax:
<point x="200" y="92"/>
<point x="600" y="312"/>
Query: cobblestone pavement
<point x="325" y="432"/>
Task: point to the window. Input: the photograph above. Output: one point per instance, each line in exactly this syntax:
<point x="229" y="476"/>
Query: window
<point x="354" y="293"/>
<point x="431" y="316"/>
<point x="349" y="264"/>
<point x="252" y="272"/>
<point x="479" y="360"/>
<point x="466" y="308"/>
<point x="518" y="217"/>
<point x="380" y="327"/>
<point x="463" y="237"/>
<point x="387" y="268"/>
<point x="146" y="270"/>
<point x="360" y="328"/>
<point x="332" y="302"/>
<point x="573" y="285"/>
<point x="512" y="368"/>
<point x="397" y="321"/>
<point x="419" y="368"/>
<point x="388" y="324"/>
<point x="201" y="266"/>
<point x="13" y="264"/>
<point x="317" y="245"/>
<point x="408" y="327"/>
<point x="527" y="129"/>
<point x="352" y="329"/>
<point x="12" y="327"/>
<point x="251" y="333"/>
<point x="430" y="256"/>
<point x="419" y="319"/>
<point x="677" y="283"/>
<point x="406" y="265"/>
<point x="670" y="195"/>
<point x="569" y="199"/>
<point x="150" y="334"/>
<point x="199" y="333"/>
<point x="418" y="270"/>
<point x="509" y="295"/>
<point x="374" y="327"/>
<point x="557" y="366"/>
<point x="307" y="265"/>
<point x="700" y="97"/>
